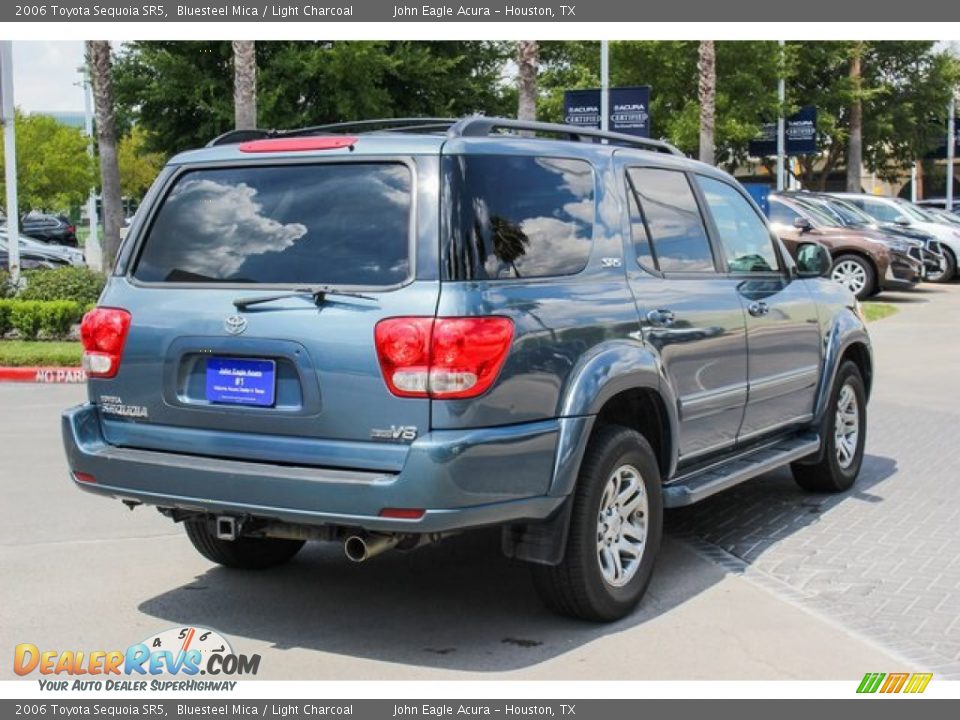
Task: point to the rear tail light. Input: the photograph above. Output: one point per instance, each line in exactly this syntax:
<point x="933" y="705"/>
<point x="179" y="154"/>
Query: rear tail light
<point x="83" y="477"/>
<point x="442" y="358"/>
<point x="103" y="332"/>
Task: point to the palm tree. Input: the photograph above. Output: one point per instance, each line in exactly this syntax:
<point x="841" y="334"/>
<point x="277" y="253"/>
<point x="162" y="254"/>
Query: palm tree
<point x="100" y="67"/>
<point x="244" y="84"/>
<point x="707" y="90"/>
<point x="528" y="58"/>
<point x="855" y="143"/>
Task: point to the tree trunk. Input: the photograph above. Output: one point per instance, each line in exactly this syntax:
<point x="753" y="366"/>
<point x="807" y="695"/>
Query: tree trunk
<point x="528" y="60"/>
<point x="100" y="68"/>
<point x="855" y="143"/>
<point x="707" y="66"/>
<point x="244" y="84"/>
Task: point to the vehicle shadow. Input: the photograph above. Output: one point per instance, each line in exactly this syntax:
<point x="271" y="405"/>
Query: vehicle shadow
<point x="898" y="298"/>
<point x="460" y="605"/>
<point x="457" y="605"/>
<point x="747" y="520"/>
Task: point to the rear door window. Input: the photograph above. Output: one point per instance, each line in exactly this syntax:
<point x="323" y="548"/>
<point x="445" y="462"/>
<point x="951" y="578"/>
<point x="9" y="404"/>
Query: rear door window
<point x="516" y="216"/>
<point x="343" y="224"/>
<point x="672" y="220"/>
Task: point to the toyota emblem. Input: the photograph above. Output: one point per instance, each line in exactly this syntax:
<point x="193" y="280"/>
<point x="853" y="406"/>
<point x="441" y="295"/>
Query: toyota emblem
<point x="235" y="324"/>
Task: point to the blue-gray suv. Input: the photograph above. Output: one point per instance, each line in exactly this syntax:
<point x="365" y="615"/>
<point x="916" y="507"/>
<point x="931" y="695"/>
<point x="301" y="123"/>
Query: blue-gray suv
<point x="383" y="333"/>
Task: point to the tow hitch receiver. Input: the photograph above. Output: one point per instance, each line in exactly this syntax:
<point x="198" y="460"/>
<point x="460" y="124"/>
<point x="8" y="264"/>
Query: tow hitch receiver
<point x="226" y="528"/>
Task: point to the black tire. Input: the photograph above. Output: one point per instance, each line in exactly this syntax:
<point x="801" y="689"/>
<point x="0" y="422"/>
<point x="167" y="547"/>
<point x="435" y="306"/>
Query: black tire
<point x="870" y="274"/>
<point x="576" y="587"/>
<point x="949" y="268"/>
<point x="828" y="474"/>
<point x="243" y="553"/>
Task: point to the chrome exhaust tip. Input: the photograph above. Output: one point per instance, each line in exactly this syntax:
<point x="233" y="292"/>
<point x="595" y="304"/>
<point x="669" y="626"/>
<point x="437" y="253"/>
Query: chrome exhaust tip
<point x="359" y="548"/>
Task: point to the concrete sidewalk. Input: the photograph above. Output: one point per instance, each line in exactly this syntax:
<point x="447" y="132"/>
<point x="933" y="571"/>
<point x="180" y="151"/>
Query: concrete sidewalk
<point x="84" y="573"/>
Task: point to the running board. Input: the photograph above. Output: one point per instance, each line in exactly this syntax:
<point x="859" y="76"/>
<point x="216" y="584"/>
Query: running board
<point x="702" y="483"/>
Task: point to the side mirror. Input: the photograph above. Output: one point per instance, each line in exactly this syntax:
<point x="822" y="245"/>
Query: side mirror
<point x="813" y="260"/>
<point x="901" y="220"/>
<point x="803" y="224"/>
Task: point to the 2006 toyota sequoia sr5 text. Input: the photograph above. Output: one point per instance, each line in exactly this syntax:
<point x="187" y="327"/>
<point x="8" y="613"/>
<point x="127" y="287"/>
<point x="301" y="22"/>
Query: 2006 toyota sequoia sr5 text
<point x="383" y="333"/>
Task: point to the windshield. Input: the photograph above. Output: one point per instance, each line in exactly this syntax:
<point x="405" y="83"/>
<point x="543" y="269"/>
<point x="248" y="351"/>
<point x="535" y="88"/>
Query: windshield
<point x="819" y="216"/>
<point x="851" y="214"/>
<point x="913" y="212"/>
<point x="816" y="205"/>
<point x="336" y="224"/>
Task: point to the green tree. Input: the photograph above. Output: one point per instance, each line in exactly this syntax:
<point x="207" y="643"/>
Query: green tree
<point x="138" y="165"/>
<point x="902" y="89"/>
<point x="53" y="169"/>
<point x="746" y="86"/>
<point x="182" y="92"/>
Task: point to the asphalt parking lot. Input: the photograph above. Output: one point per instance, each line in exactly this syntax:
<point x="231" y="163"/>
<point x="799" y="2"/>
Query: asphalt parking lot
<point x="763" y="582"/>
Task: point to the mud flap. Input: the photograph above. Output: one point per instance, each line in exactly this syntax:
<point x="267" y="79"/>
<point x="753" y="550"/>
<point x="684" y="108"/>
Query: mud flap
<point x="544" y="542"/>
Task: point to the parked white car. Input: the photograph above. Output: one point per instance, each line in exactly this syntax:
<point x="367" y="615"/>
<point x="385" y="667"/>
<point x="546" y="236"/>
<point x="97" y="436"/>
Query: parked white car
<point x="62" y="253"/>
<point x="902" y="212"/>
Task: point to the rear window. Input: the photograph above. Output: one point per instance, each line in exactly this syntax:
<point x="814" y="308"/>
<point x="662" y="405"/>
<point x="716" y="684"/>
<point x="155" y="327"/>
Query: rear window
<point x="337" y="224"/>
<point x="516" y="216"/>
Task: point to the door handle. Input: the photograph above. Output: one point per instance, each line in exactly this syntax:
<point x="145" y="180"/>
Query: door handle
<point x="758" y="309"/>
<point x="661" y="316"/>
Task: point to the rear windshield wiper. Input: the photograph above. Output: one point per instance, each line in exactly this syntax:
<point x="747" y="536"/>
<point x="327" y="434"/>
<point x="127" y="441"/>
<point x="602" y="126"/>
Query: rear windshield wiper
<point x="317" y="293"/>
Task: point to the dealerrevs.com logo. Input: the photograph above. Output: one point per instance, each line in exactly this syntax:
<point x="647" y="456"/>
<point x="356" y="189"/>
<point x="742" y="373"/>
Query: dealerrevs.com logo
<point x="171" y="660"/>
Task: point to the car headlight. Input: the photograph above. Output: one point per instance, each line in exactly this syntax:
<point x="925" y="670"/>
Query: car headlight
<point x="899" y="245"/>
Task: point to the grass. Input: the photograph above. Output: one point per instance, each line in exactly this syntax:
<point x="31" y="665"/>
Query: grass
<point x="878" y="310"/>
<point x="22" y="353"/>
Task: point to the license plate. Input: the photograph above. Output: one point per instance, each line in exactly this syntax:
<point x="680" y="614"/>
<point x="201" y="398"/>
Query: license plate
<point x="241" y="381"/>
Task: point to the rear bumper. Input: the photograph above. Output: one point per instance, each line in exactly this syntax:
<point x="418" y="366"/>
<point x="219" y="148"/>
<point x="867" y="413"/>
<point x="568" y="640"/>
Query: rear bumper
<point x="461" y="478"/>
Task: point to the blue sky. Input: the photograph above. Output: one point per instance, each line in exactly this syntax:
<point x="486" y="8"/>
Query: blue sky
<point x="44" y="74"/>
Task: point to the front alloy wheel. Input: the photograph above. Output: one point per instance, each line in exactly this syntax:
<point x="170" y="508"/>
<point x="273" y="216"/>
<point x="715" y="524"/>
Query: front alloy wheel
<point x="846" y="428"/>
<point x="844" y="432"/>
<point x="855" y="274"/>
<point x="948" y="267"/>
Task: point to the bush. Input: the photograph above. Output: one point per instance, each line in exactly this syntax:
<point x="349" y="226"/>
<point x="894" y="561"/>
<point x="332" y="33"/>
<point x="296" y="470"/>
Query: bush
<point x="7" y="288"/>
<point x="79" y="284"/>
<point x="25" y="317"/>
<point x="31" y="317"/>
<point x="5" y="325"/>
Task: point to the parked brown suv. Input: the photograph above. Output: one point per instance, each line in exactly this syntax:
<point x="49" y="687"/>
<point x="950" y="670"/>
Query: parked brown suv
<point x="864" y="260"/>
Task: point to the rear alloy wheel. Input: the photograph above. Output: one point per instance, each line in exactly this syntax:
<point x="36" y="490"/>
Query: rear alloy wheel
<point x="844" y="437"/>
<point x="615" y="528"/>
<point x="855" y="274"/>
<point x="244" y="553"/>
<point x="948" y="269"/>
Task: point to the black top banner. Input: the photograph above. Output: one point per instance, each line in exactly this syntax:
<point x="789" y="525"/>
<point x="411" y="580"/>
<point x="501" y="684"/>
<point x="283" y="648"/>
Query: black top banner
<point x="475" y="11"/>
<point x="629" y="110"/>
<point x="800" y="135"/>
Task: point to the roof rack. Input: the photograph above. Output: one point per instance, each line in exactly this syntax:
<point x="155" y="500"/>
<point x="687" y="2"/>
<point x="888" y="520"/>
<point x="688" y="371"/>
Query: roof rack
<point x="420" y="124"/>
<point x="483" y="126"/>
<point x="473" y="126"/>
<point x="380" y="125"/>
<point x="238" y="136"/>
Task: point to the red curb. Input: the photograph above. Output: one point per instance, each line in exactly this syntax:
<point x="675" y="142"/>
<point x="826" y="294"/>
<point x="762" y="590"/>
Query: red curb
<point x="46" y="375"/>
